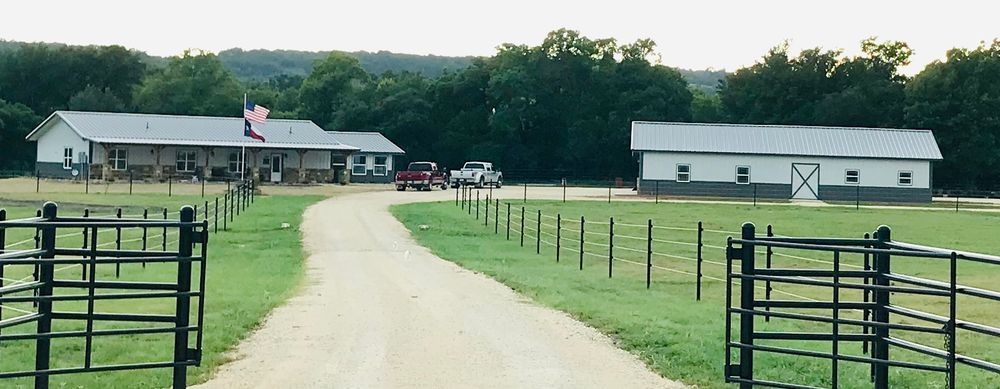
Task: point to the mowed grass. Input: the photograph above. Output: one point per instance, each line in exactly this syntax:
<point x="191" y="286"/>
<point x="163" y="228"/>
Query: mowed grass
<point x="251" y="268"/>
<point x="682" y="338"/>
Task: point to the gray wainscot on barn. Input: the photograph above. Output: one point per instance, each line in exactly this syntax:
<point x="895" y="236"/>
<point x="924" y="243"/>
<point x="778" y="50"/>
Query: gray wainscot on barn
<point x="152" y="147"/>
<point x="784" y="162"/>
<point x="373" y="162"/>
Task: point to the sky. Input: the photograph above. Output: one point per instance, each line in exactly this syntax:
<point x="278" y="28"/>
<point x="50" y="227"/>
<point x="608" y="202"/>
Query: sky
<point x="722" y="34"/>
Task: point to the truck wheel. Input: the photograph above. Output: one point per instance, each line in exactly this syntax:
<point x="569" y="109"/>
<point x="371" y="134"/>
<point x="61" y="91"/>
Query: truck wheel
<point x="499" y="182"/>
<point x="444" y="186"/>
<point x="481" y="183"/>
<point x="401" y="188"/>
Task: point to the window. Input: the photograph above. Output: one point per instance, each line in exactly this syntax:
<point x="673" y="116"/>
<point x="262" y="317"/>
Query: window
<point x="67" y="158"/>
<point x="905" y="178"/>
<point x="743" y="175"/>
<point x="852" y="176"/>
<point x="380" y="165"/>
<point x="359" y="167"/>
<point x="118" y="159"/>
<point x="235" y="164"/>
<point x="186" y="161"/>
<point x="338" y="161"/>
<point x="683" y="172"/>
<point x="267" y="160"/>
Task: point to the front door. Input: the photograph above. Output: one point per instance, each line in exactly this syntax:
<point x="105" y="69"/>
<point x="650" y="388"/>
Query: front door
<point x="277" y="165"/>
<point x="805" y="181"/>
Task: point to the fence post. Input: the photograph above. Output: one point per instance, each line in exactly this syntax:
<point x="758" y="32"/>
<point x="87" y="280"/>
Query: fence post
<point x="609" y="193"/>
<point x="522" y="226"/>
<point x="755" y="195"/>
<point x="564" y="189"/>
<point x="582" y="224"/>
<point x="170" y="186"/>
<point x="611" y="244"/>
<point x="38" y="181"/>
<point x="118" y="242"/>
<point x="46" y="274"/>
<point x="880" y="349"/>
<point x="206" y="211"/>
<point x="456" y="197"/>
<point x="701" y="244"/>
<point x="486" y="215"/>
<point x="767" y="263"/>
<point x="185" y="247"/>
<point x="746" y="303"/>
<point x="468" y="202"/>
<point x="477" y="204"/>
<point x="525" y="193"/>
<point x="508" y="221"/>
<point x="86" y="187"/>
<point x="866" y="313"/>
<point x="203" y="185"/>
<point x="956" y="203"/>
<point x="463" y="197"/>
<point x="496" y="216"/>
<point x="953" y="288"/>
<point x="232" y="205"/>
<point x="657" y="185"/>
<point x="538" y="233"/>
<point x="857" y="197"/>
<point x="145" y="216"/>
<point x="215" y="219"/>
<point x="83" y="266"/>
<point x="237" y="199"/>
<point x="253" y="187"/>
<point x="129" y="182"/>
<point x="649" y="252"/>
<point x="163" y="245"/>
<point x="558" y="235"/>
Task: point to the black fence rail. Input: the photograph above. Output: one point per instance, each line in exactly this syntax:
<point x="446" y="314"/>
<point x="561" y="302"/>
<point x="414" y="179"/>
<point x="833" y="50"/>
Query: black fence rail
<point x="43" y="324"/>
<point x="884" y="324"/>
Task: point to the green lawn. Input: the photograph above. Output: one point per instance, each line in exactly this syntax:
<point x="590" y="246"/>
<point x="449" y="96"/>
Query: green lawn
<point x="682" y="338"/>
<point x="251" y="268"/>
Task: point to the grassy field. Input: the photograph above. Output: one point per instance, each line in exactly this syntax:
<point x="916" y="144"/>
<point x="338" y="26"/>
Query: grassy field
<point x="682" y="338"/>
<point x="251" y="268"/>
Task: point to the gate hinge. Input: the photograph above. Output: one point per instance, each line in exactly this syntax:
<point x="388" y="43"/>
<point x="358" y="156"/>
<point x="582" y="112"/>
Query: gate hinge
<point x="734" y="254"/>
<point x="200" y="237"/>
<point x="194" y="354"/>
<point x="733" y="370"/>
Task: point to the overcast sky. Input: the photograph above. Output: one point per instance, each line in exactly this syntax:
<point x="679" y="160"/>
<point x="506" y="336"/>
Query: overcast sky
<point x="720" y="34"/>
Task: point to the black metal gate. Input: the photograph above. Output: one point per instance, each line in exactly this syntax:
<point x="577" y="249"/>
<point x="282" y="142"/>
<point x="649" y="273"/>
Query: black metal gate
<point x="878" y="330"/>
<point x="43" y="289"/>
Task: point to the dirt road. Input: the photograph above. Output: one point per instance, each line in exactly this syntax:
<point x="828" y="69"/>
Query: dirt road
<point x="379" y="311"/>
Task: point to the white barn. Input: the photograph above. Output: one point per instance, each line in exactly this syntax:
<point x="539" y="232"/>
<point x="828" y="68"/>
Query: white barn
<point x="784" y="162"/>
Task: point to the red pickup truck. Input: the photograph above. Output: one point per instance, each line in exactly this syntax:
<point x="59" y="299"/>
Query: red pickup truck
<point x="421" y="176"/>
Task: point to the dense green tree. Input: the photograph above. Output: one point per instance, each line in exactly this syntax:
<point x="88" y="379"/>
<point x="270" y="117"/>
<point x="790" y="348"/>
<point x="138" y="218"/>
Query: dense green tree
<point x="333" y="91"/>
<point x="16" y="121"/>
<point x="194" y="83"/>
<point x="96" y="99"/>
<point x="959" y="99"/>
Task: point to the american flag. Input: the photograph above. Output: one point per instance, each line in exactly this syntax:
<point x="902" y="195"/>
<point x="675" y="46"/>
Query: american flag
<point x="255" y="113"/>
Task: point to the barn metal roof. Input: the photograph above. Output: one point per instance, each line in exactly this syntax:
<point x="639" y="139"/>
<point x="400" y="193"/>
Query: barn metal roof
<point x="154" y="129"/>
<point x="850" y="142"/>
<point x="368" y="142"/>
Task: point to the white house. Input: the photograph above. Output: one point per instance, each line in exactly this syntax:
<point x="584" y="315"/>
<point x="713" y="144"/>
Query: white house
<point x="149" y="146"/>
<point x="784" y="162"/>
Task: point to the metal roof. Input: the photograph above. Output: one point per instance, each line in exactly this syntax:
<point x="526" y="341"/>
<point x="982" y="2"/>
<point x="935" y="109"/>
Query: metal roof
<point x="368" y="142"/>
<point x="849" y="142"/>
<point x="154" y="129"/>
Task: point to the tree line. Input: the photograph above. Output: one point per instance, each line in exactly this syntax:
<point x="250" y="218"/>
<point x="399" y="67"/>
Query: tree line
<point x="565" y="104"/>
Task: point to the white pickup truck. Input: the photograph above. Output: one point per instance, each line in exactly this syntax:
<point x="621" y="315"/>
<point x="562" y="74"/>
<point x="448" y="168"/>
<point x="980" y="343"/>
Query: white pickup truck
<point x="476" y="173"/>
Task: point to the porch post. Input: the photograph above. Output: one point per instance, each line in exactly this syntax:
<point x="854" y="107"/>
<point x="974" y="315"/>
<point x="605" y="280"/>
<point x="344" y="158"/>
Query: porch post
<point x="157" y="168"/>
<point x="207" y="172"/>
<point x="302" y="170"/>
<point x="106" y="166"/>
<point x="255" y="174"/>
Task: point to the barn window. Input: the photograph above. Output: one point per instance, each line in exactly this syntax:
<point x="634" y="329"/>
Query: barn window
<point x="852" y="176"/>
<point x="743" y="175"/>
<point x="380" y="165"/>
<point x="186" y="160"/>
<point x="905" y="178"/>
<point x="68" y="158"/>
<point x="359" y="166"/>
<point x="338" y="161"/>
<point x="234" y="162"/>
<point x="118" y="159"/>
<point x="683" y="172"/>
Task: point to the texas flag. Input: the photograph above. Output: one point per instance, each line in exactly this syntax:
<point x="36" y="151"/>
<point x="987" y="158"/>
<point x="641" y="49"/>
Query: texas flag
<point x="253" y="113"/>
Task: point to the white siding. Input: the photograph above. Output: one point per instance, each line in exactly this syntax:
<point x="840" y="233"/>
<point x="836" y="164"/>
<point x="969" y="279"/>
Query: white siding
<point x="59" y="136"/>
<point x="778" y="169"/>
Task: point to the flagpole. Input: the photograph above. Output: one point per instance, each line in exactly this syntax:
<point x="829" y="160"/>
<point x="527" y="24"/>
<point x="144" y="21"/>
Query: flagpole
<point x="243" y="154"/>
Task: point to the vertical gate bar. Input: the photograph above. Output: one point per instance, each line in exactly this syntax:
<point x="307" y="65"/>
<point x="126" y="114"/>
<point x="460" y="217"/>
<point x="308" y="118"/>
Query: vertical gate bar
<point x="649" y="252"/>
<point x="201" y="285"/>
<point x="881" y="313"/>
<point x="952" y="301"/>
<point x="538" y="233"/>
<point x="215" y="219"/>
<point x="38" y="244"/>
<point x="611" y="245"/>
<point x="701" y="244"/>
<point x="195" y="212"/>
<point x="558" y="235"/>
<point x="182" y="310"/>
<point x="508" y="221"/>
<point x="91" y="292"/>
<point x="225" y="211"/>
<point x="746" y="303"/>
<point x="835" y="360"/>
<point x="496" y="216"/>
<point x="767" y="264"/>
<point x="729" y="306"/>
<point x="163" y="245"/>
<point x="83" y="267"/>
<point x="3" y="244"/>
<point x="118" y="242"/>
<point x="866" y="313"/>
<point x="582" y="224"/>
<point x="205" y="216"/>
<point x="522" y="226"/>
<point x="46" y="273"/>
